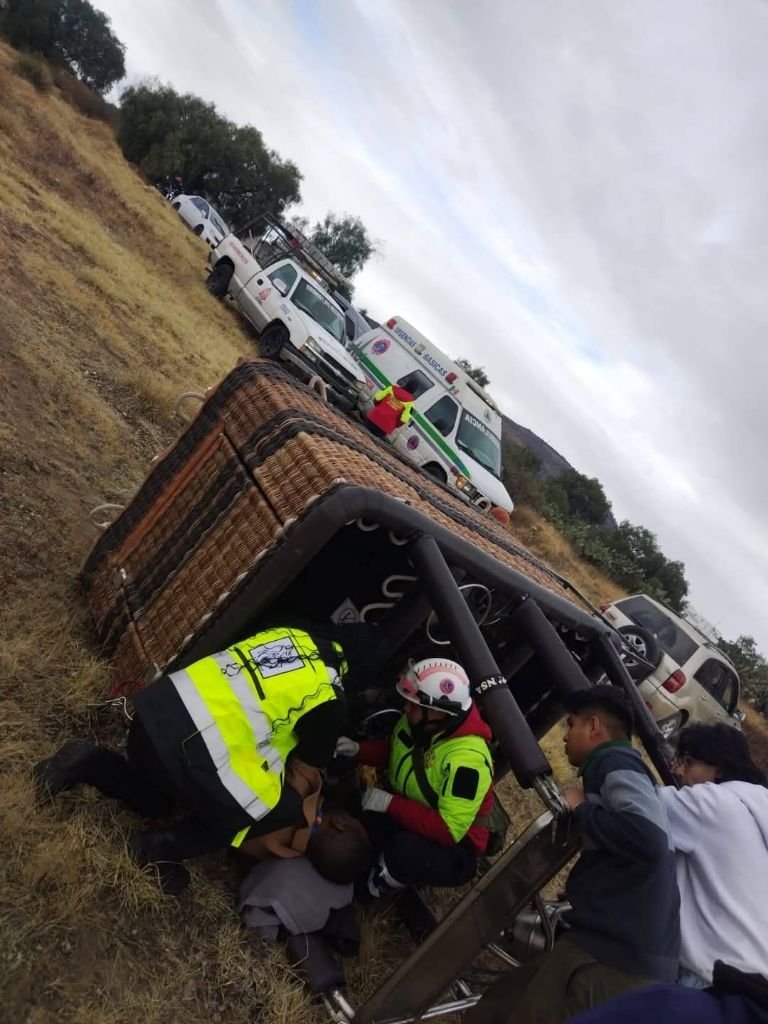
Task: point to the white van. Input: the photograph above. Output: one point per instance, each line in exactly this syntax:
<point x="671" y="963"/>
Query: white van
<point x="454" y="433"/>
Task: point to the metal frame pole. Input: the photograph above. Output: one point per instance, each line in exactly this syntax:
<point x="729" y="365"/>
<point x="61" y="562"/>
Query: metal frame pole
<point x="645" y="725"/>
<point x="477" y="920"/>
<point x="557" y="663"/>
<point x="517" y="742"/>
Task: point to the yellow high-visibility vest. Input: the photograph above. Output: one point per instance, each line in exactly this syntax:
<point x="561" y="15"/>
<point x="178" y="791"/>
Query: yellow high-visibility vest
<point x="245" y="702"/>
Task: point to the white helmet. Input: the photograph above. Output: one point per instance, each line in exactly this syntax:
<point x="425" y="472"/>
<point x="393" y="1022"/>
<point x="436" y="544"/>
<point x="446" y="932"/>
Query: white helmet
<point x="436" y="683"/>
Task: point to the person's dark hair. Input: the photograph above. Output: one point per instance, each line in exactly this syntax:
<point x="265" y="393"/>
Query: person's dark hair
<point x="339" y="851"/>
<point x="607" y="702"/>
<point x="722" y="747"/>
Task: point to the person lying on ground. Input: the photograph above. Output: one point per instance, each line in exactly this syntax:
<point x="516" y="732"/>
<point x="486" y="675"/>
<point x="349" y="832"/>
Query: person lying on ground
<point x="718" y="822"/>
<point x="433" y="825"/>
<point x="734" y="998"/>
<point x="335" y="843"/>
<point x="622" y="931"/>
<point x="213" y="739"/>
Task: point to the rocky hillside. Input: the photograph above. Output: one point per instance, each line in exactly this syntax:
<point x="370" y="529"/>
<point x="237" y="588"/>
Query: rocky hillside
<point x="552" y="462"/>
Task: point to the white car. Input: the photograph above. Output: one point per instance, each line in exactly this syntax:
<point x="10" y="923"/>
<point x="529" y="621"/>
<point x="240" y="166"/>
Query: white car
<point x="682" y="676"/>
<point x="198" y="214"/>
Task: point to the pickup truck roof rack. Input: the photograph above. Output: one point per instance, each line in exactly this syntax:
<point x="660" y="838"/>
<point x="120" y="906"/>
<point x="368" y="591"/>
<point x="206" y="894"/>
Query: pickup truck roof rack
<point x="275" y="240"/>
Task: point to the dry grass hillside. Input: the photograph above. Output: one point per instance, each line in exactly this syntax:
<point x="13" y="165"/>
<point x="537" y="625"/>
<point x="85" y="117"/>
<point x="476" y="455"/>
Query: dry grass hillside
<point x="105" y="321"/>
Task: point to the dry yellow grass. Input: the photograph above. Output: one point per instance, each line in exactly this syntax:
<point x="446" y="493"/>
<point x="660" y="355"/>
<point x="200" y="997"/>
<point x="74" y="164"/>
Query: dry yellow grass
<point x="105" y="321"/>
<point x="541" y="537"/>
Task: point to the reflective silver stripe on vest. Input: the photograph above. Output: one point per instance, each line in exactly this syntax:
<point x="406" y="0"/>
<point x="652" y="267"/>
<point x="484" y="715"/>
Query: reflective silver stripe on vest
<point x="242" y="687"/>
<point x="251" y="803"/>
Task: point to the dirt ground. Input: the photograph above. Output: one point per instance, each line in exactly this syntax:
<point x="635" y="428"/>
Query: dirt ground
<point x="105" y="321"/>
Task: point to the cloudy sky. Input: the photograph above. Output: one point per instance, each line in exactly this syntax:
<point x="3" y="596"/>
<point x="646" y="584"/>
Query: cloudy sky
<point x="569" y="192"/>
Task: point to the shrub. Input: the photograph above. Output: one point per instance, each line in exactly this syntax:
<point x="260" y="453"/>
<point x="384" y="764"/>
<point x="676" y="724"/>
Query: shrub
<point x="84" y="99"/>
<point x="35" y="70"/>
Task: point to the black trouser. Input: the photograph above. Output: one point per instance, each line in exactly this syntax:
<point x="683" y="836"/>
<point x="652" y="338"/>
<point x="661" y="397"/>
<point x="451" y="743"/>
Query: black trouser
<point x="412" y="859"/>
<point x="140" y="780"/>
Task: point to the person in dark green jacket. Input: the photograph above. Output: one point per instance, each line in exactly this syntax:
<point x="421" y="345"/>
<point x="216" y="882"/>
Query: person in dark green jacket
<point x="623" y="929"/>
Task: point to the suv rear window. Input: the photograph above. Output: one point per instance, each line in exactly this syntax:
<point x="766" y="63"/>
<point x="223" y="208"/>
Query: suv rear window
<point x="673" y="641"/>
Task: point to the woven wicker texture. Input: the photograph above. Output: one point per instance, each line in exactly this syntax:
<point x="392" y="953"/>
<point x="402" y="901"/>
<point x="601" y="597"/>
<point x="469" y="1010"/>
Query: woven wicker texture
<point x="260" y="451"/>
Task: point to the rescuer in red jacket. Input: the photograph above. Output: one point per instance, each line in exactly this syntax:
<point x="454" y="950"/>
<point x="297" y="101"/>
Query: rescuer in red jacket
<point x="432" y="825"/>
<point x="391" y="409"/>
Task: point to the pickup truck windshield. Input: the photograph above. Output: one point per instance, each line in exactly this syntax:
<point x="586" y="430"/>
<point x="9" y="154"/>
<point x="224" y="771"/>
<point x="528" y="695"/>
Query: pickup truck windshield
<point x="477" y="440"/>
<point x="314" y="304"/>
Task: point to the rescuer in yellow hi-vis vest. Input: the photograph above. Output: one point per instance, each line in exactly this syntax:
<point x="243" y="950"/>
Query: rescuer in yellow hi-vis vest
<point x="391" y="408"/>
<point x="214" y="738"/>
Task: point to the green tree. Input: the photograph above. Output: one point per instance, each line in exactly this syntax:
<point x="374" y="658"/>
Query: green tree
<point x="169" y="134"/>
<point x="31" y="25"/>
<point x="641" y="564"/>
<point x="71" y="33"/>
<point x="477" y="373"/>
<point x="345" y="241"/>
<point x="751" y="666"/>
<point x="520" y="471"/>
<point x="572" y="495"/>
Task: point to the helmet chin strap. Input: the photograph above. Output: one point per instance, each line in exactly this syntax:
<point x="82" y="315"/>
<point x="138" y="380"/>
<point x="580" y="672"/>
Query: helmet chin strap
<point x="429" y="726"/>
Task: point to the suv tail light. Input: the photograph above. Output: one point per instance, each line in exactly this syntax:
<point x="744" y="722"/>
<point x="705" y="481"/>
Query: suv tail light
<point x="675" y="681"/>
<point x="603" y="607"/>
<point x="391" y="323"/>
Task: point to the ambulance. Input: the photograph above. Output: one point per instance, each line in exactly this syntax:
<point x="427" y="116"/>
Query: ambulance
<point x="454" y="432"/>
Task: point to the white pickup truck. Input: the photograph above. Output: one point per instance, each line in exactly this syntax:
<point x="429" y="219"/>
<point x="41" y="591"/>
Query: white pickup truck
<point x="279" y="281"/>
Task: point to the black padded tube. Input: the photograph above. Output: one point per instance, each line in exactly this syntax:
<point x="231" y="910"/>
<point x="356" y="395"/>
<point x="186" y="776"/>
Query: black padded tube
<point x="535" y="628"/>
<point x="499" y="707"/>
<point x="645" y="725"/>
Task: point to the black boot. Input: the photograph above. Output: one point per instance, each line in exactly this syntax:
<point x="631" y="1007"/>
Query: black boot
<point x="150" y="849"/>
<point x="68" y="767"/>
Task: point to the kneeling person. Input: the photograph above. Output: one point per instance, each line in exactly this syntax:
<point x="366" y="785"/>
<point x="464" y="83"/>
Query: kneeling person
<point x="431" y="828"/>
<point x="214" y="739"/>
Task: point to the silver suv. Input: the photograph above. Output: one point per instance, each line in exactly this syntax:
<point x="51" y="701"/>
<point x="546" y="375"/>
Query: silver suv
<point x="681" y="674"/>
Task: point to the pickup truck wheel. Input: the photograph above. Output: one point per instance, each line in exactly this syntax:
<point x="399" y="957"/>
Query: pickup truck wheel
<point x="272" y="340"/>
<point x="218" y="281"/>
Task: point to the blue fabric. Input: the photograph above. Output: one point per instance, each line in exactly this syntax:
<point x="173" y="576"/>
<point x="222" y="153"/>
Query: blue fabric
<point x="675" y="1004"/>
<point x="623" y="889"/>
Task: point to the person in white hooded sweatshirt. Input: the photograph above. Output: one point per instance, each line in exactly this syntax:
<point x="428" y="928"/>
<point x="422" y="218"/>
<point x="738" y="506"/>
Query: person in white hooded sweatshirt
<point x="718" y="824"/>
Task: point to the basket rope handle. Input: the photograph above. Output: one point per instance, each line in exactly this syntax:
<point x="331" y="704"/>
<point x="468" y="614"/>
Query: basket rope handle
<point x="178" y="409"/>
<point x="100" y="516"/>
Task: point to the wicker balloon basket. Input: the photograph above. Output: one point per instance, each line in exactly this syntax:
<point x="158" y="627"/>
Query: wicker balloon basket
<point x="234" y="498"/>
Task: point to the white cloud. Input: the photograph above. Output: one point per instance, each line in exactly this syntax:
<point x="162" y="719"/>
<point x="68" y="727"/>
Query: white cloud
<point x="570" y="194"/>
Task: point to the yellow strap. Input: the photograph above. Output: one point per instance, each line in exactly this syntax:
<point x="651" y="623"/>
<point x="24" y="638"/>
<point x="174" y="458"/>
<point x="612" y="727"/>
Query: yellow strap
<point x="240" y="836"/>
<point x="343" y="663"/>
